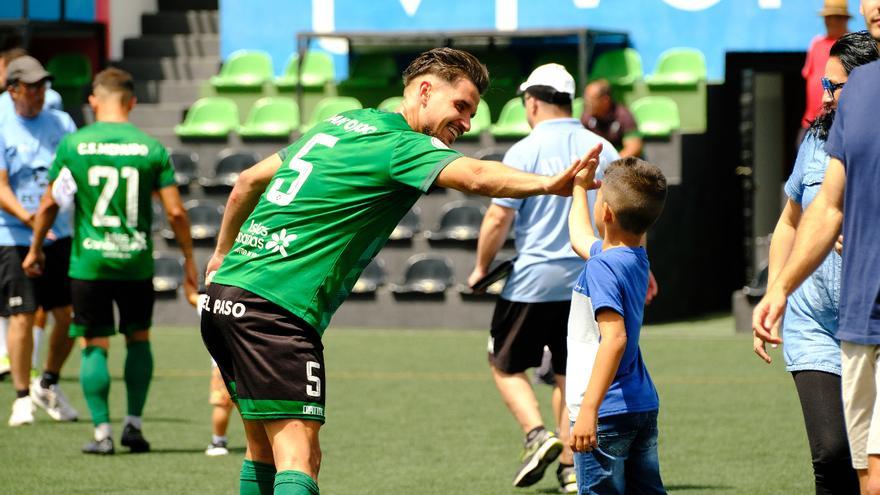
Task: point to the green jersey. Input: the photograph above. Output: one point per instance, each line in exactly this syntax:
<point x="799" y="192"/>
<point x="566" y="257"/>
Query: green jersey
<point x="340" y="191"/>
<point x="114" y="169"/>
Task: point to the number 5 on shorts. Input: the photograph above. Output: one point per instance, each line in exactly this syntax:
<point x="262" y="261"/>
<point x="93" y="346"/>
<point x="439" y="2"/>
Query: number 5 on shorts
<point x="313" y="389"/>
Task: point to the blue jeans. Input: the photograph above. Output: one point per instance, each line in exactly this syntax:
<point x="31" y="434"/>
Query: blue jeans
<point x="626" y="460"/>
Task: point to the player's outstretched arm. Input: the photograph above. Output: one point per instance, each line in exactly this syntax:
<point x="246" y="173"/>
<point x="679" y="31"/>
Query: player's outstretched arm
<point x="242" y="200"/>
<point x="179" y="222"/>
<point x="580" y="225"/>
<point x="34" y="261"/>
<point x="816" y="233"/>
<point x="497" y="180"/>
<point x="493" y="233"/>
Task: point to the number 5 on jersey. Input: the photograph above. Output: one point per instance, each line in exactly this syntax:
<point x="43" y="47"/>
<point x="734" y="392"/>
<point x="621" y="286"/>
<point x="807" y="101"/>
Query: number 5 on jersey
<point x="304" y="168"/>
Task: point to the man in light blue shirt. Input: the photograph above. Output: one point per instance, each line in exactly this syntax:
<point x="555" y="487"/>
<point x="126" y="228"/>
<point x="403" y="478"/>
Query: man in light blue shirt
<point x="28" y="140"/>
<point x="52" y="101"/>
<point x="533" y="309"/>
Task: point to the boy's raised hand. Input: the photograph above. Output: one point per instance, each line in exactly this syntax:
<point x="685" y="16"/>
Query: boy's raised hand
<point x="561" y="184"/>
<point x="586" y="177"/>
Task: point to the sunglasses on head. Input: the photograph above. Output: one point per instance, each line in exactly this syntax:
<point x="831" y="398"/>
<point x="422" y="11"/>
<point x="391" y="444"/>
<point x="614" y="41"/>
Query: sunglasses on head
<point x="829" y="86"/>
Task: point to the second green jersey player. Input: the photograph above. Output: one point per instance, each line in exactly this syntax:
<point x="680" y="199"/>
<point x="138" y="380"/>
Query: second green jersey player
<point x="300" y="227"/>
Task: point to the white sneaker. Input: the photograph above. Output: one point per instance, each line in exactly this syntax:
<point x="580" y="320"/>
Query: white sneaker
<point x="54" y="401"/>
<point x="22" y="412"/>
<point x="217" y="448"/>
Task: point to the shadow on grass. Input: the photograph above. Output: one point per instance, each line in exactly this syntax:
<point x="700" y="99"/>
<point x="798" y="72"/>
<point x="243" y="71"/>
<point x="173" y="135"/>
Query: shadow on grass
<point x="682" y="488"/>
<point x="232" y="451"/>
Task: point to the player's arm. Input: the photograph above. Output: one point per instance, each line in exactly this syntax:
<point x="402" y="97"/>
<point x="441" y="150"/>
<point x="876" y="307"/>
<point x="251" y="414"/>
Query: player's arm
<point x="10" y="203"/>
<point x="580" y="224"/>
<point x="494" y="179"/>
<point x="242" y="200"/>
<point x="611" y="348"/>
<point x="45" y="216"/>
<point x="493" y="233"/>
<point x="632" y="145"/>
<point x="179" y="222"/>
<point x="816" y="233"/>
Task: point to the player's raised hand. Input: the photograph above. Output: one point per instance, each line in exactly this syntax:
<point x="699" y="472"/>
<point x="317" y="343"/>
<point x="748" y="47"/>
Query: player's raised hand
<point x="561" y="184"/>
<point x="33" y="263"/>
<point x="767" y="314"/>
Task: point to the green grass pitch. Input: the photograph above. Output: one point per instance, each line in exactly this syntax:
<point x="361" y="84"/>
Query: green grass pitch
<point x="416" y="412"/>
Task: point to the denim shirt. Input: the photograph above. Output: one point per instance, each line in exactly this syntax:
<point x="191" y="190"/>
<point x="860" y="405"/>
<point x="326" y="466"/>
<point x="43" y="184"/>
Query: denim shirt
<point x="811" y="319"/>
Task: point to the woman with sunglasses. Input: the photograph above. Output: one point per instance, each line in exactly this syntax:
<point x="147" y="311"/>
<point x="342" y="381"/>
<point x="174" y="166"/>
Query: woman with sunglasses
<point x="811" y="351"/>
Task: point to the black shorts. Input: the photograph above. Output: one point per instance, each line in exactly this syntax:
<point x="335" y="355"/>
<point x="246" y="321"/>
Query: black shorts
<point x="22" y="294"/>
<point x="521" y="330"/>
<point x="93" y="306"/>
<point x="271" y="361"/>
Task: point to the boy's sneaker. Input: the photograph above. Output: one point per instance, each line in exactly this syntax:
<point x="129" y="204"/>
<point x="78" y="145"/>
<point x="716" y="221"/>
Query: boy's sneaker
<point x="217" y="448"/>
<point x="567" y="479"/>
<point x="538" y="453"/>
<point x="134" y="440"/>
<point x="22" y="412"/>
<point x="54" y="401"/>
<point x="99" y="447"/>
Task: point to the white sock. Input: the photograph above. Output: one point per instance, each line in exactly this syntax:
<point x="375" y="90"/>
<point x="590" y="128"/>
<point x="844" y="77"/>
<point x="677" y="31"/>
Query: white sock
<point x="134" y="421"/>
<point x="4" y="322"/>
<point x="215" y="439"/>
<point x="39" y="340"/>
<point x="102" y="431"/>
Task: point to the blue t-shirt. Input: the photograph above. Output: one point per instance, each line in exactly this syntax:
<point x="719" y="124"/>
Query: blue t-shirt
<point x="853" y="140"/>
<point x="51" y="102"/>
<point x="546" y="266"/>
<point x="615" y="279"/>
<point x="810" y="323"/>
<point x="28" y="148"/>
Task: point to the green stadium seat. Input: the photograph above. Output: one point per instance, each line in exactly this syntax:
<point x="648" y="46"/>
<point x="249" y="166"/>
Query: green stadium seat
<point x="657" y="116"/>
<point x="245" y="70"/>
<point x="481" y="121"/>
<point x="577" y="107"/>
<point x="678" y="67"/>
<point x="271" y="117"/>
<point x="318" y="70"/>
<point x="213" y="117"/>
<point x="622" y="68"/>
<point x="70" y="70"/>
<point x="512" y="122"/>
<point x="390" y="104"/>
<point x="329" y="107"/>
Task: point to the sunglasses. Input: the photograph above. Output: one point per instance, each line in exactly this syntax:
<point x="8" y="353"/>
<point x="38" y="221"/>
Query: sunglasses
<point x="830" y="87"/>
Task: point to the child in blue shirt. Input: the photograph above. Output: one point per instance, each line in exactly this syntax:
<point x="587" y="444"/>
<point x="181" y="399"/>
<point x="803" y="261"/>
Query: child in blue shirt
<point x="612" y="401"/>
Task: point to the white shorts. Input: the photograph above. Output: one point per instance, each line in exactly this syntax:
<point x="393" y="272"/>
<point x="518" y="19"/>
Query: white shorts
<point x="861" y="376"/>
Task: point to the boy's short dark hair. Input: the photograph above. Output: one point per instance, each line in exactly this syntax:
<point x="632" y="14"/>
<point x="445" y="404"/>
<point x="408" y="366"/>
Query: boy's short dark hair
<point x="636" y="192"/>
<point x="115" y="80"/>
<point x="450" y="65"/>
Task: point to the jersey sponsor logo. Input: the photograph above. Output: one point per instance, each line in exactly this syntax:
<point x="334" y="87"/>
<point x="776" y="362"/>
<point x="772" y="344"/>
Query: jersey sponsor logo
<point x="313" y="410"/>
<point x="117" y="245"/>
<point x="113" y="149"/>
<point x="439" y="144"/>
<point x="280" y="240"/>
<point x="351" y="125"/>
<point x="15" y="301"/>
<point x="222" y="307"/>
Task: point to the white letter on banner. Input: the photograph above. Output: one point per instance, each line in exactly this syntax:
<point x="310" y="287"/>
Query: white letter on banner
<point x="506" y="16"/>
<point x="586" y="4"/>
<point x="410" y="6"/>
<point x="692" y="5"/>
<point x="323" y="16"/>
<point x="770" y="4"/>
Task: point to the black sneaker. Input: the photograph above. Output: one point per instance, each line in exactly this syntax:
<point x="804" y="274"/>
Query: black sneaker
<point x="538" y="453"/>
<point x="99" y="447"/>
<point x="134" y="440"/>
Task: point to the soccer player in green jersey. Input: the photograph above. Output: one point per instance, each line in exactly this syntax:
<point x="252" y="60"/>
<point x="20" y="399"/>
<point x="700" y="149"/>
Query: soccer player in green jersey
<point x="298" y="230"/>
<point x="109" y="171"/>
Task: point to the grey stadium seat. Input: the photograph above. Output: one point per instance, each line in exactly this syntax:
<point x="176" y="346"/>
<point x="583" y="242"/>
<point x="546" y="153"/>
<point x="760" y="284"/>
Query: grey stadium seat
<point x="204" y="218"/>
<point x="459" y="221"/>
<point x="230" y="164"/>
<point x="168" y="272"/>
<point x="409" y="225"/>
<point x="426" y="274"/>
<point x="186" y="168"/>
<point x="371" y="279"/>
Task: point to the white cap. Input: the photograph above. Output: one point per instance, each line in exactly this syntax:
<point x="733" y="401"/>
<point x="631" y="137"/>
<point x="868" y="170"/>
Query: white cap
<point x="551" y="75"/>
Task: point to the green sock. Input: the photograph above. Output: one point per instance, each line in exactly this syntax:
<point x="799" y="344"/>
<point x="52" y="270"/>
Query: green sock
<point x="138" y="374"/>
<point x="95" y="380"/>
<point x="295" y="483"/>
<point x="257" y="478"/>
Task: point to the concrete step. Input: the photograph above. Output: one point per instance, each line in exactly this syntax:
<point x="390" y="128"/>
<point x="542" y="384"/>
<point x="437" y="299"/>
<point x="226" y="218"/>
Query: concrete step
<point x="184" y="92"/>
<point x="184" y="5"/>
<point x="171" y="68"/>
<point x="190" y="22"/>
<point x="157" y="115"/>
<point x="172" y="45"/>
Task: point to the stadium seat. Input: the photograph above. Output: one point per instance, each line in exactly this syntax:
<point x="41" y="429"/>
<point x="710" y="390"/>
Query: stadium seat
<point x="167" y="273"/>
<point x="678" y="67"/>
<point x="371" y="278"/>
<point x="657" y="116"/>
<point x="329" y="107"/>
<point x="577" y="107"/>
<point x="160" y="222"/>
<point x="186" y="168"/>
<point x="271" y="117"/>
<point x="491" y="291"/>
<point x="622" y="68"/>
<point x="230" y="164"/>
<point x="318" y="69"/>
<point x="244" y="70"/>
<point x="493" y="153"/>
<point x="481" y="121"/>
<point x="459" y="221"/>
<point x="211" y="118"/>
<point x="409" y="225"/>
<point x="390" y="104"/>
<point x="426" y="274"/>
<point x="512" y="122"/>
<point x="204" y="219"/>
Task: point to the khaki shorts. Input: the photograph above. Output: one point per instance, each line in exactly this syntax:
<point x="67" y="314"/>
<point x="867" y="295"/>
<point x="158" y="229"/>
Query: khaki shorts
<point x="861" y="376"/>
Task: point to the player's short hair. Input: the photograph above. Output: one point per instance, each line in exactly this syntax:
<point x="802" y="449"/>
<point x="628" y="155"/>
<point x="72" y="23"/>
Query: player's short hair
<point x="450" y="65"/>
<point x="636" y="192"/>
<point x="115" y="80"/>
